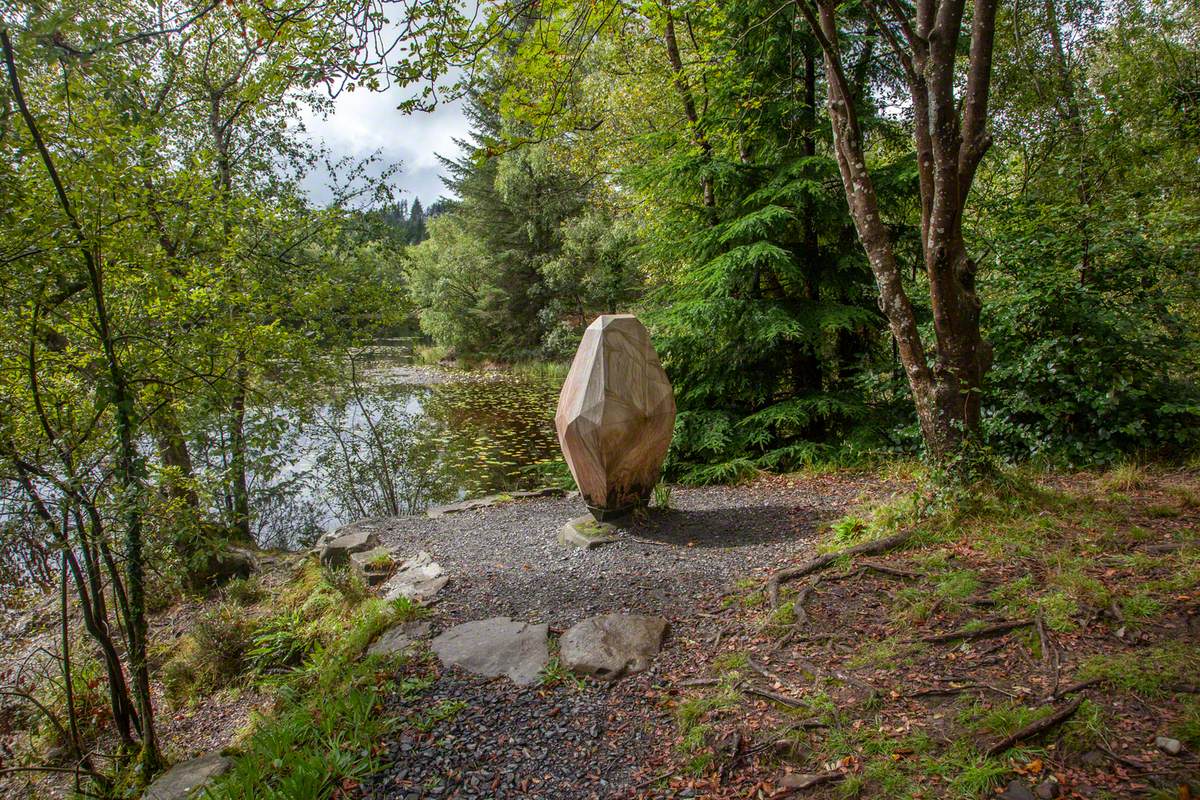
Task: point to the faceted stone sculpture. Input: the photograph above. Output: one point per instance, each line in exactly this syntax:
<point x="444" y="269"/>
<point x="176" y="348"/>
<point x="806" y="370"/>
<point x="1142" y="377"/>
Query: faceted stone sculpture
<point x="615" y="416"/>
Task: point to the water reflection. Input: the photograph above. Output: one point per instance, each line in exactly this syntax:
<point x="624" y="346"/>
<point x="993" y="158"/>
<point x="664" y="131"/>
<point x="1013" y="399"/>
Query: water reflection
<point x="396" y="446"/>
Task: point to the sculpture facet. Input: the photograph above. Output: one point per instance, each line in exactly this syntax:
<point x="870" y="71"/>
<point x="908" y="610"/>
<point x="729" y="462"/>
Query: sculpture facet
<point x="615" y="416"/>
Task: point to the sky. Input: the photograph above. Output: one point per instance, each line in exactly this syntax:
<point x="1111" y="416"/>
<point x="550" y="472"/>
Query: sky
<point x="366" y="122"/>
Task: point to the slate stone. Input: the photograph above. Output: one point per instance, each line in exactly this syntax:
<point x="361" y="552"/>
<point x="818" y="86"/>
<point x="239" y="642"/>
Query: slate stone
<point x="364" y="563"/>
<point x="609" y="646"/>
<point x="419" y="579"/>
<point x="476" y="503"/>
<point x="185" y="778"/>
<point x="337" y="552"/>
<point x="496" y="646"/>
<point x="399" y="638"/>
<point x="1048" y="789"/>
<point x="1016" y="790"/>
<point x="587" y="533"/>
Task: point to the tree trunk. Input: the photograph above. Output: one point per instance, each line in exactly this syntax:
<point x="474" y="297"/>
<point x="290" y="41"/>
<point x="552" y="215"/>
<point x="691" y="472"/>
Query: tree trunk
<point x="174" y="454"/>
<point x="950" y="140"/>
<point x="130" y="471"/>
<point x="237" y="462"/>
<point x="689" y="108"/>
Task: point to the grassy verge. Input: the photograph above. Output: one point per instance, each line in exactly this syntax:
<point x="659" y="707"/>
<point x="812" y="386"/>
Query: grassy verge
<point x="307" y="649"/>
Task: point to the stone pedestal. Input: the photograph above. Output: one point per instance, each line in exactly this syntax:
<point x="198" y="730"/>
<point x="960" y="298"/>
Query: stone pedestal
<point x="586" y="532"/>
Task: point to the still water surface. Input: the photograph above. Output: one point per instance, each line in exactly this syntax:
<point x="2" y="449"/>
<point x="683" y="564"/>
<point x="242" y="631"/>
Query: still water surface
<point x="410" y="438"/>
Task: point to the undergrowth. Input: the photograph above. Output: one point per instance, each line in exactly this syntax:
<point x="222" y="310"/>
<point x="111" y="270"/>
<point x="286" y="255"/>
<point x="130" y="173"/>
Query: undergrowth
<point x="308" y="650"/>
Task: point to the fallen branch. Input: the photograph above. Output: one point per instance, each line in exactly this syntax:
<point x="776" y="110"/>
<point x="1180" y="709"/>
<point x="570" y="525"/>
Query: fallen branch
<point x="651" y="781"/>
<point x="978" y="633"/>
<point x="874" y="548"/>
<point x="794" y="783"/>
<point x="949" y="690"/>
<point x="1034" y="728"/>
<point x="766" y="694"/>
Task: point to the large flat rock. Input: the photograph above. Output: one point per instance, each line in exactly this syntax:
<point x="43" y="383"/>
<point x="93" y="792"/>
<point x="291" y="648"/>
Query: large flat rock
<point x="185" y="778"/>
<point x="495" y="647"/>
<point x="399" y="639"/>
<point x="476" y="503"/>
<point x="611" y="645"/>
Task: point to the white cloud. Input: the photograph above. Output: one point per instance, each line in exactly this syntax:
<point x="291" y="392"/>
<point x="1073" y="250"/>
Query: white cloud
<point x="365" y="122"/>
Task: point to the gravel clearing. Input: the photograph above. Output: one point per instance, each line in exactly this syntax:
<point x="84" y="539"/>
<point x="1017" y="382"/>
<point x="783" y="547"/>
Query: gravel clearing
<point x="564" y="741"/>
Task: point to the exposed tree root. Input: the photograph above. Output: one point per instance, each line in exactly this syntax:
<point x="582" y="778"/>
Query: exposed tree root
<point x="978" y="633"/>
<point x="797" y="783"/>
<point x="873" y="548"/>
<point x="1034" y="728"/>
<point x="1071" y="689"/>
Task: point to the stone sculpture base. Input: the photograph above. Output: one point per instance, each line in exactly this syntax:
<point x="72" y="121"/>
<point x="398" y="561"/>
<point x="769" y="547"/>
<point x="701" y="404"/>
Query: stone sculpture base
<point x="586" y="532"/>
<point x="611" y="514"/>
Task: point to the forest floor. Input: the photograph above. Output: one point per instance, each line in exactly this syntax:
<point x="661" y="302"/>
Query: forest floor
<point x="1041" y="641"/>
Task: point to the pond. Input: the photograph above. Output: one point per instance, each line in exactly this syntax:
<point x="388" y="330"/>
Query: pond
<point x="403" y="438"/>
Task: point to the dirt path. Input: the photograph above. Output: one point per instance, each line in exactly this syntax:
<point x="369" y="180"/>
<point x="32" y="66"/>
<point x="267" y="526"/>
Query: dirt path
<point x="565" y="740"/>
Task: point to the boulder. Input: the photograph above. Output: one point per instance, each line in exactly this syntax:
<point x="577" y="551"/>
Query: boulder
<point x="185" y="778"/>
<point x="374" y="565"/>
<point x="337" y="552"/>
<point x="419" y="579"/>
<point x="399" y="638"/>
<point x="587" y="533"/>
<point x="223" y="565"/>
<point x="609" y="646"/>
<point x="494" y="647"/>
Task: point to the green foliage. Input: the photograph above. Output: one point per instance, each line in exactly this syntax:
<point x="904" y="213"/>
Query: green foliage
<point x="1091" y="220"/>
<point x="347" y="583"/>
<point x="662" y="496"/>
<point x="331" y="712"/>
<point x="527" y="254"/>
<point x="280" y="641"/>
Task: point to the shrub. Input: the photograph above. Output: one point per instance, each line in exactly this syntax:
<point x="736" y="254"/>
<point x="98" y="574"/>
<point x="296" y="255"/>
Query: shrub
<point x="222" y="637"/>
<point x="347" y="583"/>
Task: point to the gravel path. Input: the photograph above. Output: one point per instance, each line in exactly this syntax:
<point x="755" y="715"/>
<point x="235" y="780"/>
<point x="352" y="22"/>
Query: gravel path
<point x="564" y="741"/>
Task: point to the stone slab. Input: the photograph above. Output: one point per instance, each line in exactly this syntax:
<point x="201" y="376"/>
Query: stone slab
<point x="337" y="552"/>
<point x="476" y="503"/>
<point x="398" y="639"/>
<point x="495" y="647"/>
<point x="185" y="778"/>
<point x="363" y="563"/>
<point x="609" y="646"/>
